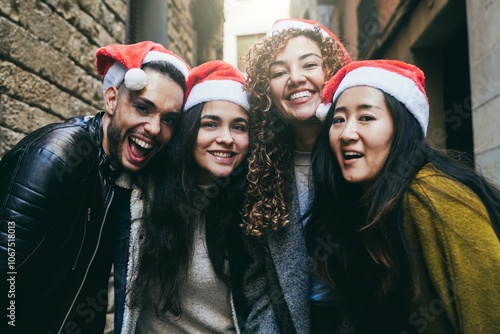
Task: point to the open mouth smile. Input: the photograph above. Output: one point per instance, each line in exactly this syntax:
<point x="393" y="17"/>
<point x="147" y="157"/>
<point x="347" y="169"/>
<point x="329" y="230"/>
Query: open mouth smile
<point x="299" y="95"/>
<point x="350" y="155"/>
<point x="223" y="155"/>
<point x="142" y="143"/>
<point x="140" y="149"/>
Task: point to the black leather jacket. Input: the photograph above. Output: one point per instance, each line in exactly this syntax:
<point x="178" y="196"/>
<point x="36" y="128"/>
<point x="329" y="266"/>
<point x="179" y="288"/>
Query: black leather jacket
<point x="55" y="248"/>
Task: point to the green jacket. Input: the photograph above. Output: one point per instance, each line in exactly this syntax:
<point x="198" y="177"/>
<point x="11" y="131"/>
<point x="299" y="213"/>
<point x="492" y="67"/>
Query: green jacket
<point x="457" y="257"/>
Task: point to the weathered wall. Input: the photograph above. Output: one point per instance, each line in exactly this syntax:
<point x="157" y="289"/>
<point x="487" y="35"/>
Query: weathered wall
<point x="47" y="54"/>
<point x="484" y="53"/>
<point x="47" y="60"/>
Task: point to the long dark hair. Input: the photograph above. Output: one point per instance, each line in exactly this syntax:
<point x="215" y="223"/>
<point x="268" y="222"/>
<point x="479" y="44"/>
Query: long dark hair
<point x="167" y="231"/>
<point x="372" y="259"/>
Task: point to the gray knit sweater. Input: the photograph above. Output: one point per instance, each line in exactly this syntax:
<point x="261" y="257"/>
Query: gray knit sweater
<point x="204" y="300"/>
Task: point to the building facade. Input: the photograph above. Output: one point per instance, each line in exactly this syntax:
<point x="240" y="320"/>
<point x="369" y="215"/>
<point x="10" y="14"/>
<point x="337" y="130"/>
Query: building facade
<point x="455" y="42"/>
<point x="47" y="51"/>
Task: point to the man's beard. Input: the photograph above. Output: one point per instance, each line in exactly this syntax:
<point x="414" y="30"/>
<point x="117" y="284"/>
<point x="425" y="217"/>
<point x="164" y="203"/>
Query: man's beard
<point x="114" y="147"/>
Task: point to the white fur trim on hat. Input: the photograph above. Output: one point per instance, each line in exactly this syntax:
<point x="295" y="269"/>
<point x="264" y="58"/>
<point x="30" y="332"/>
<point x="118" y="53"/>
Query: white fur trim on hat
<point x="217" y="90"/>
<point x="117" y="72"/>
<point x="156" y="55"/>
<point x="402" y="88"/>
<point x="114" y="76"/>
<point x="287" y="24"/>
<point x="322" y="111"/>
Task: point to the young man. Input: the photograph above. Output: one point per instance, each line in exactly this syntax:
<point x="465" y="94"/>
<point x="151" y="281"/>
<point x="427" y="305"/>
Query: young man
<point x="57" y="187"/>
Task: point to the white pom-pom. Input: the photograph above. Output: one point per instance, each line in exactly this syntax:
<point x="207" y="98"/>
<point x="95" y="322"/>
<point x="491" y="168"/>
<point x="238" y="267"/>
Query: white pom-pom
<point x="135" y="79"/>
<point x="322" y="110"/>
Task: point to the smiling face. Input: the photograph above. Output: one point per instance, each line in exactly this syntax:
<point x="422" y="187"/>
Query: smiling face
<point x="137" y="124"/>
<point x="361" y="133"/>
<point x="222" y="141"/>
<point x="296" y="79"/>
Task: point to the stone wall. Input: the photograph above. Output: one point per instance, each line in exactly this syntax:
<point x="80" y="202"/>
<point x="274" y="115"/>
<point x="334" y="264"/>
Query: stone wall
<point x="180" y="32"/>
<point x="484" y="53"/>
<point x="47" y="60"/>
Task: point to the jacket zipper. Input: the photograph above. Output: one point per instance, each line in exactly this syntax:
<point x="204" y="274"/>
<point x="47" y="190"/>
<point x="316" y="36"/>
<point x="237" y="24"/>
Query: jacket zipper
<point x="83" y="239"/>
<point x="90" y="263"/>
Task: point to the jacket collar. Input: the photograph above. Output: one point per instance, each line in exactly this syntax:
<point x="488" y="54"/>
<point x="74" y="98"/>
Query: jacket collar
<point x="95" y="128"/>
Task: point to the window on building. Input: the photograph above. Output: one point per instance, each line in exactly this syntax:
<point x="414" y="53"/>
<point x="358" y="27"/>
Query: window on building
<point x="244" y="43"/>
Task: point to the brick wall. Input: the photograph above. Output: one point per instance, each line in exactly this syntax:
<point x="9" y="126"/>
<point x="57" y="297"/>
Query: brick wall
<point x="47" y="60"/>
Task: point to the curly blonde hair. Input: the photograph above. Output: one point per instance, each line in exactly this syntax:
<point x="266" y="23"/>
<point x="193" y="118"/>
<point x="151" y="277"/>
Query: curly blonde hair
<point x="270" y="169"/>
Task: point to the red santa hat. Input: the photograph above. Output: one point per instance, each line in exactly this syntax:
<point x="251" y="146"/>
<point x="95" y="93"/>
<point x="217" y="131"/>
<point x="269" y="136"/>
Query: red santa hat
<point x="403" y="81"/>
<point x="119" y="63"/>
<point x="303" y="24"/>
<point x="215" y="80"/>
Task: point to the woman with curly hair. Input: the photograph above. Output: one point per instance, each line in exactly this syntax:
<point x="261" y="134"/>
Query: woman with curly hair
<point x="417" y="231"/>
<point x="286" y="73"/>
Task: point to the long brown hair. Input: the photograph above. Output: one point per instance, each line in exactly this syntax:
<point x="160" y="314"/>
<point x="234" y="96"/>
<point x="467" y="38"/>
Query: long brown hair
<point x="167" y="230"/>
<point x="270" y="170"/>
